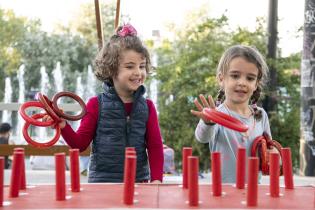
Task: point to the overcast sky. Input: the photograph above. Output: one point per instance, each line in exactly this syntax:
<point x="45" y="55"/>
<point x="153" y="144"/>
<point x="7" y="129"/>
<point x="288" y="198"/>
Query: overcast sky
<point x="148" y="15"/>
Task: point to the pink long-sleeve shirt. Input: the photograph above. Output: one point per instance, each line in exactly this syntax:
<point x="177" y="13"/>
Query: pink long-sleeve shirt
<point x="83" y="137"/>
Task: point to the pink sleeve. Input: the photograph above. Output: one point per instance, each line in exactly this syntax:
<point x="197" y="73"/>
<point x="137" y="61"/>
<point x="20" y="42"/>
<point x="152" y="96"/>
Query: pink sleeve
<point x="154" y="144"/>
<point x="82" y="138"/>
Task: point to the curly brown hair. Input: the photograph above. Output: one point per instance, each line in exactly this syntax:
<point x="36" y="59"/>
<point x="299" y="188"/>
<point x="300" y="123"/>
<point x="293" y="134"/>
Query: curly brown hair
<point x="106" y="62"/>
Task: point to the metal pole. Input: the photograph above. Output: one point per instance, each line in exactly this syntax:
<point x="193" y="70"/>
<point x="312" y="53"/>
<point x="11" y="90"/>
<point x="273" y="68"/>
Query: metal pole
<point x="270" y="99"/>
<point x="307" y="143"/>
<point x="98" y="24"/>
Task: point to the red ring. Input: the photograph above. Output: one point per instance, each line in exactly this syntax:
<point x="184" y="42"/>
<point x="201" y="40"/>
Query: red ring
<point x="61" y="113"/>
<point x="30" y="119"/>
<point x="225" y="120"/>
<point x="37" y="144"/>
<point x="47" y="104"/>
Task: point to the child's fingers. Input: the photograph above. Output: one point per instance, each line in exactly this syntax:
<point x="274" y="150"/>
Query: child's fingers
<point x="198" y="105"/>
<point x="204" y="101"/>
<point x="196" y="113"/>
<point x="211" y="102"/>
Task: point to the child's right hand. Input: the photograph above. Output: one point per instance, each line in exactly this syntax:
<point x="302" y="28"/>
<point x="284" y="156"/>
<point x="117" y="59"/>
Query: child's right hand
<point x="200" y="106"/>
<point x="62" y="122"/>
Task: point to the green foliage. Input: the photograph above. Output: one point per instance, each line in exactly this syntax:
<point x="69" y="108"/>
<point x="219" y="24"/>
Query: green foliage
<point x="41" y="49"/>
<point x="75" y="47"/>
<point x="12" y="30"/>
<point x="187" y="68"/>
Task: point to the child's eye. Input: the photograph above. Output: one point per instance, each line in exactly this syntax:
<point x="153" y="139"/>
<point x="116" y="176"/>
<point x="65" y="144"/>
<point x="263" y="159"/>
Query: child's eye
<point x="251" y="78"/>
<point x="142" y="67"/>
<point x="234" y="76"/>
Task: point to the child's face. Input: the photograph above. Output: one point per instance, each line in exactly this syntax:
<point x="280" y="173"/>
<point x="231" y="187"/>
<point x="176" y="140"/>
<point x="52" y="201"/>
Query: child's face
<point x="240" y="81"/>
<point x="131" y="72"/>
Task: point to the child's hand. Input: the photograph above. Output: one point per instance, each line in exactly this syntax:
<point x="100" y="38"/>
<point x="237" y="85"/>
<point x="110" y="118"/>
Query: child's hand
<point x="156" y="182"/>
<point x="62" y="123"/>
<point x="205" y="104"/>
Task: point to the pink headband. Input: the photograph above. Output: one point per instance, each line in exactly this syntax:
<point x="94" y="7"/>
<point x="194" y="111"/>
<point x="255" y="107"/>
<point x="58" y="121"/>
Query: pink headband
<point x="127" y="30"/>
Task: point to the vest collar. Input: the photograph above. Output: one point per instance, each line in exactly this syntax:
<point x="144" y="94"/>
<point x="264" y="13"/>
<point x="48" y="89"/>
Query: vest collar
<point x="110" y="91"/>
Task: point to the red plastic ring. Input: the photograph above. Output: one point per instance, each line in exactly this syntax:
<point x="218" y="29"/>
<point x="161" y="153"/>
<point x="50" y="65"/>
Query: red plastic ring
<point x="47" y="104"/>
<point x="37" y="144"/>
<point x="31" y="120"/>
<point x="225" y="120"/>
<point x="61" y="113"/>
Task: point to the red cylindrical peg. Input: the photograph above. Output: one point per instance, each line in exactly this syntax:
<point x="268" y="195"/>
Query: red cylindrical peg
<point x="74" y="170"/>
<point x="193" y="188"/>
<point x="287" y="167"/>
<point x="216" y="173"/>
<point x="23" y="177"/>
<point x="252" y="181"/>
<point x="274" y="174"/>
<point x="130" y="149"/>
<point x="1" y="179"/>
<point x="187" y="151"/>
<point x="60" y="161"/>
<point x="130" y="152"/>
<point x="240" y="168"/>
<point x="129" y="179"/>
<point x="16" y="174"/>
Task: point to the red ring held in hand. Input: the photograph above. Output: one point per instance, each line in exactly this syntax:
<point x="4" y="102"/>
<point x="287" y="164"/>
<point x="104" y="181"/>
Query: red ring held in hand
<point x="225" y="120"/>
<point x="64" y="115"/>
<point x="32" y="120"/>
<point x="48" y="106"/>
<point x="37" y="144"/>
<point x="53" y="111"/>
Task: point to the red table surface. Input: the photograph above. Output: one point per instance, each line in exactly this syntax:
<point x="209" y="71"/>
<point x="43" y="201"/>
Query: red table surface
<point x="166" y="196"/>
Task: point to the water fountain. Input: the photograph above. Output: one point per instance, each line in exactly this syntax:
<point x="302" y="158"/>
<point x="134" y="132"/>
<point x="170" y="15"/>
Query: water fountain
<point x="90" y="83"/>
<point x="58" y="78"/>
<point x="19" y="137"/>
<point x="6" y="115"/>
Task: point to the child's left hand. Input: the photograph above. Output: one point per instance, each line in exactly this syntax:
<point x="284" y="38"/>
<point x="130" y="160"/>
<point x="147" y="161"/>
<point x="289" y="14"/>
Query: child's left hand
<point x="156" y="182"/>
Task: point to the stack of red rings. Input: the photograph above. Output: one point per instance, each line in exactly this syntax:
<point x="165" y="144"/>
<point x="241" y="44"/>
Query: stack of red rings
<point x="52" y="109"/>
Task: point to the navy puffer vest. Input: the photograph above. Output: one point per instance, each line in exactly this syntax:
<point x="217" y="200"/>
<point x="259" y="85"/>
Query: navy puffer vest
<point x="115" y="131"/>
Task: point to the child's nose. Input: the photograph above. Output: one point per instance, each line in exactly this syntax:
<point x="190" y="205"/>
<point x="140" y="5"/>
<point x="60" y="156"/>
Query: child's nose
<point x="138" y="71"/>
<point x="242" y="81"/>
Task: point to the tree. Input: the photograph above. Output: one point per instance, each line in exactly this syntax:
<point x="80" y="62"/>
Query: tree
<point x="12" y="30"/>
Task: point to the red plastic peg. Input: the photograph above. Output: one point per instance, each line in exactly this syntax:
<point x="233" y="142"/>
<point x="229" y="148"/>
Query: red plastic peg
<point x="60" y="161"/>
<point x="216" y="173"/>
<point x="252" y="181"/>
<point x="16" y="174"/>
<point x="187" y="151"/>
<point x="287" y="167"/>
<point x="193" y="188"/>
<point x="75" y="170"/>
<point x="240" y="168"/>
<point x="129" y="179"/>
<point x="23" y="177"/>
<point x="274" y="172"/>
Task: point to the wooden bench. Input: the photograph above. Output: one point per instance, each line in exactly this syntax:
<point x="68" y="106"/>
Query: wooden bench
<point x="6" y="150"/>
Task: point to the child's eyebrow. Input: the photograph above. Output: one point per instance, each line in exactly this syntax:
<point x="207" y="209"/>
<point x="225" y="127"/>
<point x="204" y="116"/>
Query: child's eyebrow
<point x="128" y="63"/>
